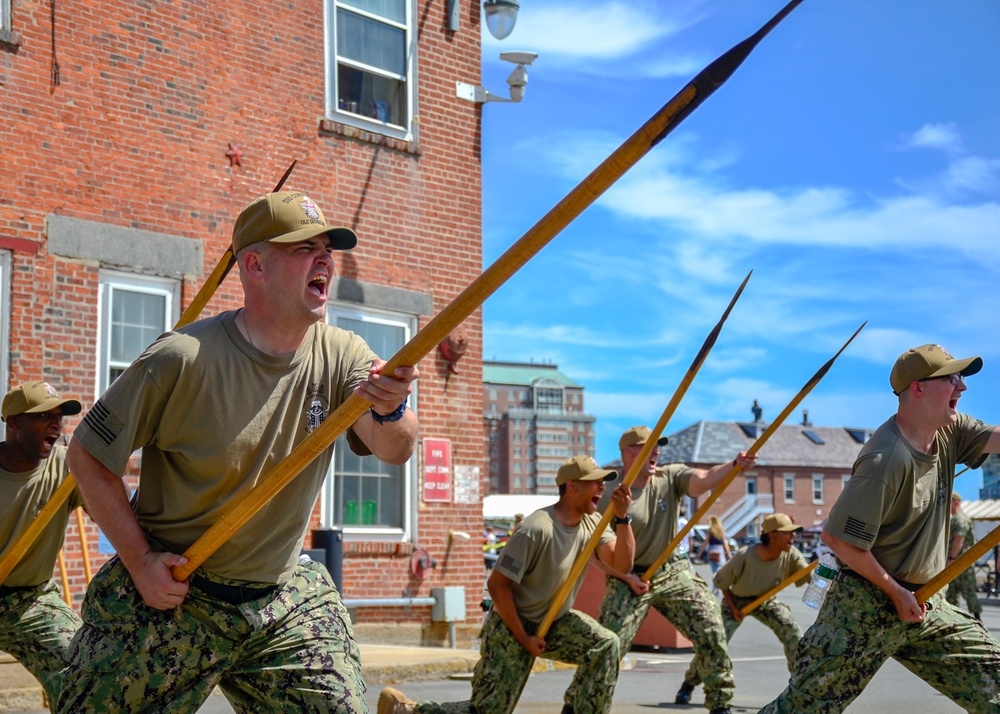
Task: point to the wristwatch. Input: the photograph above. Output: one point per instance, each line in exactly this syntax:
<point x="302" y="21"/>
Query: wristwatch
<point x="623" y="521"/>
<point x="392" y="416"/>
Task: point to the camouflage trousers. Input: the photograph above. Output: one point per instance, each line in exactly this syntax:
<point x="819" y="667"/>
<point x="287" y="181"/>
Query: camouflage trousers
<point x="36" y="627"/>
<point x="965" y="585"/>
<point x="775" y="615"/>
<point x="291" y="650"/>
<point x="685" y="600"/>
<point x="857" y="629"/>
<point x="504" y="666"/>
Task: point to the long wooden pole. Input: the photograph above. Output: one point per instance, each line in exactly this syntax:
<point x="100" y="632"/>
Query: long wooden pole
<point x="793" y="578"/>
<point x="580" y="564"/>
<point x="84" y="550"/>
<point x="755" y="448"/>
<point x="218" y="275"/>
<point x="15" y="554"/>
<point x="241" y="509"/>
<point x="958" y="566"/>
<point x="67" y="598"/>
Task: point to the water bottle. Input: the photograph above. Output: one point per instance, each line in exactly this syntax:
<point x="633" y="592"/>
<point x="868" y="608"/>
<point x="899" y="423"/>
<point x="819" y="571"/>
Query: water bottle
<point x="819" y="586"/>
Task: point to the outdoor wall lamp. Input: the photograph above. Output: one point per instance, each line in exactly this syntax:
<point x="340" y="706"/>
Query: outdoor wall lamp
<point x="501" y="16"/>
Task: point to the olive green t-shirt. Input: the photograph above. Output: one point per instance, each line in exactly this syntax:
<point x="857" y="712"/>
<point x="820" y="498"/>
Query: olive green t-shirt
<point x="538" y="557"/>
<point x="961" y="525"/>
<point x="212" y="415"/>
<point x="897" y="503"/>
<point x="746" y="574"/>
<point x="22" y="497"/>
<point x="655" y="511"/>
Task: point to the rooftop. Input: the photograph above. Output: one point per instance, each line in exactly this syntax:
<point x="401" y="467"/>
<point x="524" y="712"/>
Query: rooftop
<point x="524" y="374"/>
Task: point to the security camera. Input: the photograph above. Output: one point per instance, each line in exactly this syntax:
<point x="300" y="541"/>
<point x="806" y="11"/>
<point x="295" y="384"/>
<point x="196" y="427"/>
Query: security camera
<point x="517" y="81"/>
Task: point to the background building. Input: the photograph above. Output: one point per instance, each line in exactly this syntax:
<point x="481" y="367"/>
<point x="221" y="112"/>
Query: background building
<point x="991" y="478"/>
<point x="800" y="471"/>
<point x="533" y="420"/>
<point x="132" y="135"/>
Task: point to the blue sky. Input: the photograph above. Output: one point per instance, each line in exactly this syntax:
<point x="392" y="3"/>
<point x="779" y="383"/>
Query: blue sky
<point x="853" y="162"/>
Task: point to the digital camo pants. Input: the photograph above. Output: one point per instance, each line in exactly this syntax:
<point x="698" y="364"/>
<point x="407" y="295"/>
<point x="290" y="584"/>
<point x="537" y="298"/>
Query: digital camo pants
<point x="857" y="629"/>
<point x="290" y="651"/>
<point x="504" y="666"/>
<point x="965" y="586"/>
<point x="684" y="599"/>
<point x="36" y="627"/>
<point x="775" y="615"/>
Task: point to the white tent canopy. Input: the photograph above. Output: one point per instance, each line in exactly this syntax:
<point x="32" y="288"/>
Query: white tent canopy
<point x="506" y="506"/>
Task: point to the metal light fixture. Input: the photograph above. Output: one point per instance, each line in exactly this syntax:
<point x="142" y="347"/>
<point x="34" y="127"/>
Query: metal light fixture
<point x="501" y="16"/>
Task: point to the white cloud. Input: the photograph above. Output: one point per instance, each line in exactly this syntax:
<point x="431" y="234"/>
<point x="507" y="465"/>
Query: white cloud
<point x="591" y="30"/>
<point x="935" y="136"/>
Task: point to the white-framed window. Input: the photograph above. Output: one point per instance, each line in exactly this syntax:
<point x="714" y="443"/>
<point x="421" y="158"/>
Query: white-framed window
<point x="4" y="22"/>
<point x="751" y="485"/>
<point x="789" y="488"/>
<point x="133" y="311"/>
<point x="817" y="488"/>
<point x="361" y="494"/>
<point x="5" y="266"/>
<point x="370" y="64"/>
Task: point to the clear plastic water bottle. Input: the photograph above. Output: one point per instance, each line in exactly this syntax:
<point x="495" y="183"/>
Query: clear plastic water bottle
<point x="818" y="587"/>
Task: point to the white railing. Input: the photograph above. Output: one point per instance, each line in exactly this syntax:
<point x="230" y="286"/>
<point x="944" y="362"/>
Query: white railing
<point x="745" y="510"/>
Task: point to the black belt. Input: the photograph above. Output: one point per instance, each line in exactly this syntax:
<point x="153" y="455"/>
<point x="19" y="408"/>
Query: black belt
<point x="9" y="590"/>
<point x="841" y="574"/>
<point x="233" y="594"/>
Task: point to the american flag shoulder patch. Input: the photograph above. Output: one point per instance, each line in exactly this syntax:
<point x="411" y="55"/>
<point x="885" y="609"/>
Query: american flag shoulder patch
<point x="509" y="564"/>
<point x="858" y="529"/>
<point x="103" y="422"/>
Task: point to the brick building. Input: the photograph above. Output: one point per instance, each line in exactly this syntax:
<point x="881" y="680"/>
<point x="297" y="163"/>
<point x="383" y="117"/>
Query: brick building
<point x="132" y="135"/>
<point x="801" y="470"/>
<point x="534" y="421"/>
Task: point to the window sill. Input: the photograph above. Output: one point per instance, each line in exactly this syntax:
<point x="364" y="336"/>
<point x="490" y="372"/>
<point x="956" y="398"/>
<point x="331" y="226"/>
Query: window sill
<point x="328" y="126"/>
<point x="10" y="39"/>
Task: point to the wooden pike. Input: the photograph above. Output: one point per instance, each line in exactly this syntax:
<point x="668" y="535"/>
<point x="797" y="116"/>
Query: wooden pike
<point x="218" y="275"/>
<point x="15" y="554"/>
<point x="958" y="566"/>
<point x="84" y="550"/>
<point x="580" y="564"/>
<point x="242" y="508"/>
<point x="64" y="576"/>
<point x="755" y="448"/>
<point x="793" y="578"/>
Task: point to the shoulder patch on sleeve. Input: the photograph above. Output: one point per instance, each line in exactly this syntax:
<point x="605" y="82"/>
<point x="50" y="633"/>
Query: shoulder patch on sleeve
<point x="858" y="529"/>
<point x="103" y="422"/>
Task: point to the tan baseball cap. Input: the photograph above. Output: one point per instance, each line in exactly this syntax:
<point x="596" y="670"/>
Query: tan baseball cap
<point x="287" y="217"/>
<point x="35" y="398"/>
<point x="583" y="468"/>
<point x="779" y="522"/>
<point x="929" y="361"/>
<point x="639" y="435"/>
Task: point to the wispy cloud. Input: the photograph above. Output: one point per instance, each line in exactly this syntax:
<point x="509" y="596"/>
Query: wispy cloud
<point x="934" y="136"/>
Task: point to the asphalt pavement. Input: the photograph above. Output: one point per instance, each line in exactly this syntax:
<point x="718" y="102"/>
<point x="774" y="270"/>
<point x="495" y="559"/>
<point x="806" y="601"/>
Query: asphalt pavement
<point x="648" y="681"/>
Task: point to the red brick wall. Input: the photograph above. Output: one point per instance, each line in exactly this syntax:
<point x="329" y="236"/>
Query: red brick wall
<point x="136" y="134"/>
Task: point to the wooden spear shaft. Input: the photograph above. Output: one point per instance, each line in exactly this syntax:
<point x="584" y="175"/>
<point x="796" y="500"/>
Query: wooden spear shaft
<point x="218" y="275"/>
<point x="761" y="440"/>
<point x="15" y="554"/>
<point x="67" y="598"/>
<point x="84" y="550"/>
<point x="580" y="564"/>
<point x="242" y="508"/>
<point x="958" y="566"/>
<point x="793" y="578"/>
